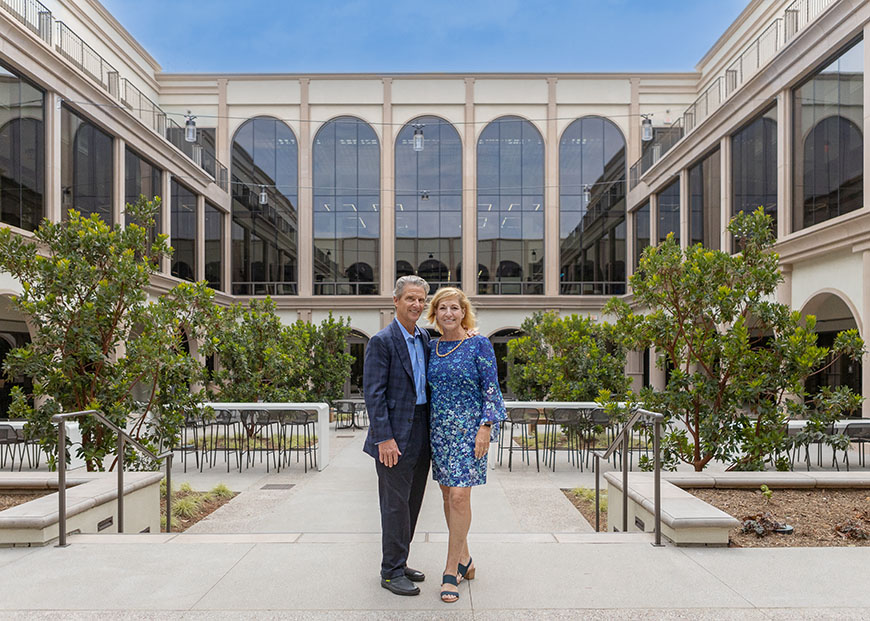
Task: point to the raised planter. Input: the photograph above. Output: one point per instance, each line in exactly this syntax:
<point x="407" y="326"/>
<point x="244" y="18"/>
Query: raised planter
<point x="92" y="506"/>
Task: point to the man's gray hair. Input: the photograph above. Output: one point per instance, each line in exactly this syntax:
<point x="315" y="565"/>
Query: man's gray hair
<point x="409" y="280"/>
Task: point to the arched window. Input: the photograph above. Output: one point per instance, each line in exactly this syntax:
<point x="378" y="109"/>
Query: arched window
<point x="592" y="208"/>
<point x="510" y="206"/>
<point x="347" y="186"/>
<point x="265" y="251"/>
<point x="829" y="140"/>
<point x="429" y="202"/>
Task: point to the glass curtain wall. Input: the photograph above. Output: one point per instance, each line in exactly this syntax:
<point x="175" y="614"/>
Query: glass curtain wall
<point x="641" y="232"/>
<point x="22" y="152"/>
<point x="510" y="208"/>
<point x="214" y="246"/>
<point x="86" y="167"/>
<point x="704" y="201"/>
<point x="753" y="166"/>
<point x="141" y="178"/>
<point x="669" y="212"/>
<point x="347" y="187"/>
<point x="183" y="233"/>
<point x="429" y="203"/>
<point x="829" y="141"/>
<point x="265" y="236"/>
<point x="592" y="208"/>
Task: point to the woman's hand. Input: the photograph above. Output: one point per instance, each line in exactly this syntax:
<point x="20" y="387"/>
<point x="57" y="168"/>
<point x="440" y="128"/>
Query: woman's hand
<point x="481" y="441"/>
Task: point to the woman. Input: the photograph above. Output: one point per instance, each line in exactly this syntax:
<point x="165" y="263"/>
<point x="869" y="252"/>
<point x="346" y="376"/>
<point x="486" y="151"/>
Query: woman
<point x="466" y="407"/>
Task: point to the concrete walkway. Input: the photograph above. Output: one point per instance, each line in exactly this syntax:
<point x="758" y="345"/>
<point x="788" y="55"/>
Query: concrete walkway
<point x="312" y="552"/>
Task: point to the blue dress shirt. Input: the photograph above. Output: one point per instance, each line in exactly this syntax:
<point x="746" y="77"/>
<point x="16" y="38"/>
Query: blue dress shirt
<point x="418" y="360"/>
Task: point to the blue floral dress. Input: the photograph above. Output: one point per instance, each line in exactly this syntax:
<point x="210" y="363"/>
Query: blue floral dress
<point x="465" y="394"/>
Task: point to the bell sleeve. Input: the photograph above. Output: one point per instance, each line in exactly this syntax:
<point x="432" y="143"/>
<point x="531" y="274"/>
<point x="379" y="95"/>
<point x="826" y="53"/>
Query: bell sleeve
<point x="493" y="408"/>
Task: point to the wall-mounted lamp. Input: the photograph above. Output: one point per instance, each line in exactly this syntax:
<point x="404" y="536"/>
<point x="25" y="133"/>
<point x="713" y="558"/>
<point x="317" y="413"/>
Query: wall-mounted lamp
<point x="418" y="136"/>
<point x="189" y="127"/>
<point x="264" y="198"/>
<point x="424" y="195"/>
<point x="587" y="193"/>
<point x="646" y="128"/>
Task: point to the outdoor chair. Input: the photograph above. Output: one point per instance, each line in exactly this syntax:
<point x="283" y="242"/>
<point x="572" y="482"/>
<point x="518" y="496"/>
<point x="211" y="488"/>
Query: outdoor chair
<point x="300" y="425"/>
<point x="344" y="414"/>
<point x="10" y="443"/>
<point x="262" y="427"/>
<point x="230" y="423"/>
<point x="569" y="420"/>
<point x="526" y="419"/>
<point x="592" y="421"/>
<point x="189" y="441"/>
<point x="360" y="415"/>
<point x="858" y="433"/>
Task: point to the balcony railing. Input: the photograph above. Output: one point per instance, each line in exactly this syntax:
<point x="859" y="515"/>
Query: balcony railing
<point x="34" y="16"/>
<point x="797" y="16"/>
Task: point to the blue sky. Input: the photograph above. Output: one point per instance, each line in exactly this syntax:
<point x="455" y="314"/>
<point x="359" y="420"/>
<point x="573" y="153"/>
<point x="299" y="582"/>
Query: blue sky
<point x="334" y="36"/>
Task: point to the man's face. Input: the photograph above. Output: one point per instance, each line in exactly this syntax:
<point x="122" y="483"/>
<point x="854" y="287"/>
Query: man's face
<point x="410" y="304"/>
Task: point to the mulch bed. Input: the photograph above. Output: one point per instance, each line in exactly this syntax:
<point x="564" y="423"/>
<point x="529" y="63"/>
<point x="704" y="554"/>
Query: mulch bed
<point x="209" y="505"/>
<point x="820" y="517"/>
<point x="587" y="507"/>
<point x="8" y="501"/>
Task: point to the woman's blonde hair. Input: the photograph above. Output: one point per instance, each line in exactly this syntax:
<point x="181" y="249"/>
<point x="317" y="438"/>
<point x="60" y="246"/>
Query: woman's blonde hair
<point x="468" y="322"/>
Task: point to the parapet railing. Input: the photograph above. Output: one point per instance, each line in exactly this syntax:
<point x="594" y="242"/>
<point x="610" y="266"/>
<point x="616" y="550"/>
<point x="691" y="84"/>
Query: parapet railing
<point x="123" y="437"/>
<point x="623" y="438"/>
<point x="779" y="33"/>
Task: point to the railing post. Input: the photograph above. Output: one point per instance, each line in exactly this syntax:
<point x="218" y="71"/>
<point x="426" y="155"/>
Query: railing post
<point x="625" y="437"/>
<point x="657" y="437"/>
<point x="169" y="493"/>
<point x="61" y="484"/>
<point x="597" y="465"/>
<point x="120" y="466"/>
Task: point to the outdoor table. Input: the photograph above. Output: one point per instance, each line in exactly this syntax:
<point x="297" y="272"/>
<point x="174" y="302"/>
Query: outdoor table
<point x="354" y="402"/>
<point x="322" y="410"/>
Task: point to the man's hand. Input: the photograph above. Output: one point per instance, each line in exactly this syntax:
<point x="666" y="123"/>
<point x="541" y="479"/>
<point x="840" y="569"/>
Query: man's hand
<point x="481" y="441"/>
<point x="471" y="333"/>
<point x="388" y="453"/>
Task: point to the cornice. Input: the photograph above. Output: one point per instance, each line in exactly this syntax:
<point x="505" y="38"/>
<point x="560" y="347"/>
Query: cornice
<point x="734" y="27"/>
<point x="106" y="38"/>
<point x="847" y="232"/>
<point x="169" y="77"/>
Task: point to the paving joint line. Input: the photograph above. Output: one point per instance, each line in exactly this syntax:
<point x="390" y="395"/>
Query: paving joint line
<point x="751" y="604"/>
<point x="225" y="574"/>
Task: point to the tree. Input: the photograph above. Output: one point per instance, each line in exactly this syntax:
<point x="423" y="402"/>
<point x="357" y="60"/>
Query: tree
<point x="738" y="360"/>
<point x="262" y="359"/>
<point x="566" y="359"/>
<point x="96" y="336"/>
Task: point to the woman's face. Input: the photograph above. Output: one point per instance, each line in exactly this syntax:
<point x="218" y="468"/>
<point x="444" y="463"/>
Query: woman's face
<point x="449" y="314"/>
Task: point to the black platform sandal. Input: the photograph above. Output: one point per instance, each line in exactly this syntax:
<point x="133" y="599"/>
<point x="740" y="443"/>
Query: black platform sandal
<point x="467" y="571"/>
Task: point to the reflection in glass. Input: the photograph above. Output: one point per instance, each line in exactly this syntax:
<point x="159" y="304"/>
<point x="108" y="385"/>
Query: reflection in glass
<point x="704" y="201"/>
<point x="753" y="162"/>
<point x="641" y="232"/>
<point x="510" y="208"/>
<point x="592" y="208"/>
<point x="347" y="186"/>
<point x="669" y="211"/>
<point x="429" y="203"/>
<point x="22" y="152"/>
<point x="214" y="247"/>
<point x="141" y="178"/>
<point x="183" y="233"/>
<point x="264" y="244"/>
<point x="829" y="141"/>
<point x="86" y="167"/>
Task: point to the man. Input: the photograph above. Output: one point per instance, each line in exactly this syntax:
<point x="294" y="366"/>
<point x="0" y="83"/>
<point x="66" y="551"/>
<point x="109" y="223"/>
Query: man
<point x="394" y="382"/>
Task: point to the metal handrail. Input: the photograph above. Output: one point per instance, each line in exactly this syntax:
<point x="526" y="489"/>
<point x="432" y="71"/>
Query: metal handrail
<point x="623" y="438"/>
<point x="123" y="437"/>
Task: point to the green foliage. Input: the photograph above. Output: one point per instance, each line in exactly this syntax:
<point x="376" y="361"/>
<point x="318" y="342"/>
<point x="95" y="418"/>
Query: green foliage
<point x="186" y="506"/>
<point x="588" y="495"/>
<point x="565" y="359"/>
<point x="263" y="359"/>
<point x="739" y="359"/>
<point x="767" y="493"/>
<point x="222" y="491"/>
<point x="98" y="339"/>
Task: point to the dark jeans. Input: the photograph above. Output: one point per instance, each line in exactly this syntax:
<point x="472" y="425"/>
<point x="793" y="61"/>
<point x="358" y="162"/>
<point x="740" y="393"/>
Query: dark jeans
<point x="400" y="490"/>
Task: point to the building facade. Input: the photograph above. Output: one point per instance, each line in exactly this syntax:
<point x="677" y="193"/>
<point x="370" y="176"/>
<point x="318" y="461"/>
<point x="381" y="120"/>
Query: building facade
<point x="530" y="191"/>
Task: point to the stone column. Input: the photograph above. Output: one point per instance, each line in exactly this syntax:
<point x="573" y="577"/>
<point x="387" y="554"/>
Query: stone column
<point x="53" y="209"/>
<point x="865" y="321"/>
<point x="469" y="194"/>
<point x="784" y="161"/>
<point x="166" y="218"/>
<point x="118" y="206"/>
<point x="653" y="219"/>
<point x="551" y="195"/>
<point x="684" y="208"/>
<point x="222" y="131"/>
<point x="783" y="291"/>
<point x="634" y="139"/>
<point x="199" y="246"/>
<point x="725" y="195"/>
<point x="227" y="252"/>
<point x="656" y="373"/>
<point x="305" y="208"/>
<point x="388" y="194"/>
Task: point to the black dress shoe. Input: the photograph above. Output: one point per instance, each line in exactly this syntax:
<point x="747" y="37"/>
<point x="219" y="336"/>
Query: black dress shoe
<point x="400" y="586"/>
<point x="414" y="575"/>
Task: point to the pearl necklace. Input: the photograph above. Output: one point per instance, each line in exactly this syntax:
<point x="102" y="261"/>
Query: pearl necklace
<point x="440" y="355"/>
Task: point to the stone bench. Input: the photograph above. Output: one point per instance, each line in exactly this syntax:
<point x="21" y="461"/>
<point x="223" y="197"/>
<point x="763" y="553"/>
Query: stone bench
<point x="91" y="503"/>
<point x="686" y="519"/>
